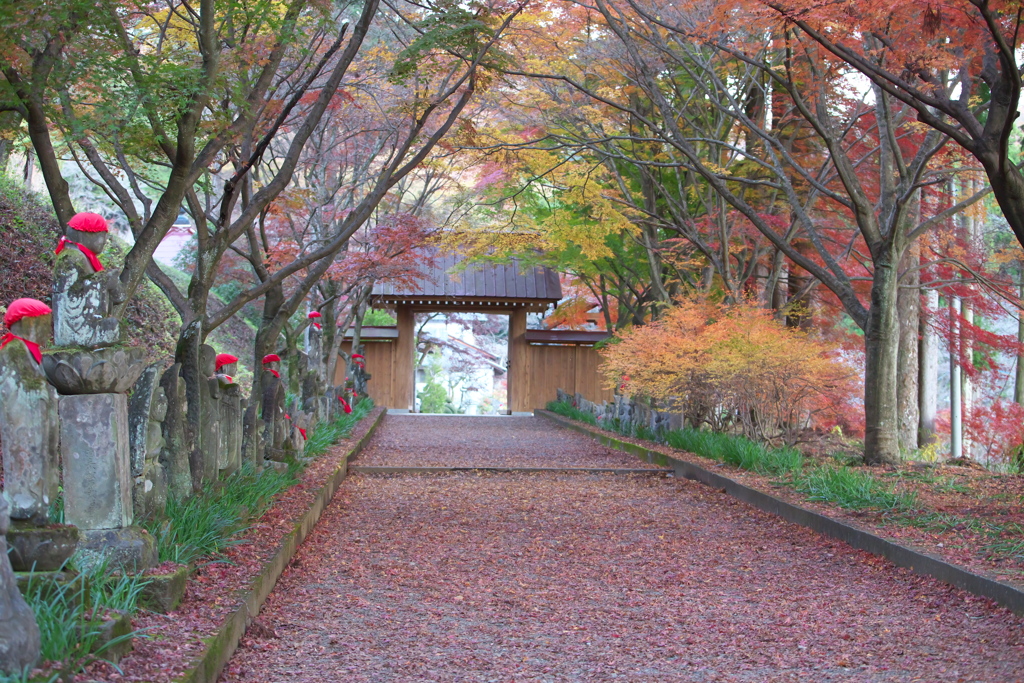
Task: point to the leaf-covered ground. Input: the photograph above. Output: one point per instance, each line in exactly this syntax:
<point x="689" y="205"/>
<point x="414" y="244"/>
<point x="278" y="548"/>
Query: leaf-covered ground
<point x="437" y="441"/>
<point x="571" y="577"/>
<point x="966" y="515"/>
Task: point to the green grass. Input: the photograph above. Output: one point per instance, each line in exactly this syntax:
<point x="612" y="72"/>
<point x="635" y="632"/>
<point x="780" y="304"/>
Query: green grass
<point x="62" y="610"/>
<point x="944" y="521"/>
<point x="942" y="483"/>
<point x="327" y="434"/>
<point x="738" y="451"/>
<point x="572" y="412"/>
<point x="735" y="450"/>
<point x="852" y="489"/>
<point x="206" y="524"/>
<point x="1011" y="547"/>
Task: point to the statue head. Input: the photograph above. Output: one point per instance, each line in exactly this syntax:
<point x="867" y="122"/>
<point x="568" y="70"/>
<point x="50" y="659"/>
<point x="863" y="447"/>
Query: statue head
<point x="30" y="319"/>
<point x="226" y="364"/>
<point x="90" y="230"/>
<point x="271" y="361"/>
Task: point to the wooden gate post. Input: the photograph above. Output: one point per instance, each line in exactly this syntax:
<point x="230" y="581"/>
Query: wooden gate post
<point x="403" y="380"/>
<point x="519" y="365"/>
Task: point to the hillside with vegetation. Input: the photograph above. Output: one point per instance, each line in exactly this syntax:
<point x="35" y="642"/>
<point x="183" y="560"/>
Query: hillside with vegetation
<point x="30" y="232"/>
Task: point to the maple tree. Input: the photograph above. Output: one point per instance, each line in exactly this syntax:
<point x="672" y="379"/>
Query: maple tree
<point x="753" y="150"/>
<point x="129" y="89"/>
<point x="955" y="63"/>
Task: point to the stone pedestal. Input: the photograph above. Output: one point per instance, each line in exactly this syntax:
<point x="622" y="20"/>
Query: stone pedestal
<point x="97" y="469"/>
<point x="41" y="549"/>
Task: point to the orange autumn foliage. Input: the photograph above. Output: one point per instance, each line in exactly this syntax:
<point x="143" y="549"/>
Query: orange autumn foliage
<point x="736" y="368"/>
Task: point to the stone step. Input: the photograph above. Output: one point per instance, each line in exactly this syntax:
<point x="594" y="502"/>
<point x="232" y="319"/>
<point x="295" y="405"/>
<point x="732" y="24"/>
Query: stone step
<point x="374" y="469"/>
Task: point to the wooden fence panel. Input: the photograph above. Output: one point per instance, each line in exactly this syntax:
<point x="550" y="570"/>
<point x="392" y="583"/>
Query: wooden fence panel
<point x="380" y="362"/>
<point x="569" y="367"/>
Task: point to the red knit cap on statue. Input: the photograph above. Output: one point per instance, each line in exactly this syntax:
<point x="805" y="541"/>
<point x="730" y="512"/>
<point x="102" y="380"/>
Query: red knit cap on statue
<point x="88" y="222"/>
<point x="225" y="359"/>
<point x="25" y="308"/>
<point x="314" y="314"/>
<point x="271" y="358"/>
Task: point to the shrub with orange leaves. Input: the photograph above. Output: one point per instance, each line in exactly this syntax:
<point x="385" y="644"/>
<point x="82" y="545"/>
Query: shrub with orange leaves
<point x="735" y="368"/>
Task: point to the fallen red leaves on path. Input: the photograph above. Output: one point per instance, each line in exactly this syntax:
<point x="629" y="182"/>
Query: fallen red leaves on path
<point x="574" y="577"/>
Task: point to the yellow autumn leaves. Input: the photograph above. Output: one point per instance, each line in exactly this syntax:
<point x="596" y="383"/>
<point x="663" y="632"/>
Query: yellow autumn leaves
<point x="733" y="367"/>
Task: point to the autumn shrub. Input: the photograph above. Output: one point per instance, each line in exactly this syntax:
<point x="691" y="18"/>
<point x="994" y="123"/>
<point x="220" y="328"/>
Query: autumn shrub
<point x="734" y="368"/>
<point x="853" y="489"/>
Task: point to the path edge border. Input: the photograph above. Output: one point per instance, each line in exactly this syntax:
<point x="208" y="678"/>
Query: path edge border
<point x="207" y="667"/>
<point x="921" y="563"/>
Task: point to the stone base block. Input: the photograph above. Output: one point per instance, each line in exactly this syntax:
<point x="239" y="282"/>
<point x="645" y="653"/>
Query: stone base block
<point x="44" y="582"/>
<point x="112" y="641"/>
<point x="164" y="591"/>
<point x="95" y="454"/>
<point x="279" y="467"/>
<point x="130" y="548"/>
<point x="41" y="549"/>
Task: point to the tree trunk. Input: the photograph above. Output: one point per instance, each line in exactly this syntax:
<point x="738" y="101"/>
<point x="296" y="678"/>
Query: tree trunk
<point x="956" y="423"/>
<point x="1018" y="379"/>
<point x="966" y="385"/>
<point x="881" y="344"/>
<point x="928" y="384"/>
<point x="908" y="302"/>
<point x="187" y="353"/>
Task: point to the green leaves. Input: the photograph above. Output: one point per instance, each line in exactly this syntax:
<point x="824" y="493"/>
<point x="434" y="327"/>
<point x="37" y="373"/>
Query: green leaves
<point x="452" y="29"/>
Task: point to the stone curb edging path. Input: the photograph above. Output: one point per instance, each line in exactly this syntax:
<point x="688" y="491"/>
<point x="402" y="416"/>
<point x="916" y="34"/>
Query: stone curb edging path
<point x="207" y="667"/>
<point x="916" y="561"/>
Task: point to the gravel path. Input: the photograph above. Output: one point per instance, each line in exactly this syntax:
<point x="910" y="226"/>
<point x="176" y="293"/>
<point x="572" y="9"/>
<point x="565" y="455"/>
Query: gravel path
<point x="571" y="577"/>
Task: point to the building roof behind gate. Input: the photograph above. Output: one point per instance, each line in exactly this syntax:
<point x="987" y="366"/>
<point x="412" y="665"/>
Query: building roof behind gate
<point x="445" y="284"/>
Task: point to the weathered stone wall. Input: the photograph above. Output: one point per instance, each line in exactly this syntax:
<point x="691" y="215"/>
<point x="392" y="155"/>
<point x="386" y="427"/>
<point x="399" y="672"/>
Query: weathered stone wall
<point x="626" y="410"/>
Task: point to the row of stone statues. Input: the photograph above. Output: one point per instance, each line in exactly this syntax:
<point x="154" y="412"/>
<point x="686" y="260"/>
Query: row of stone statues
<point x="65" y="407"/>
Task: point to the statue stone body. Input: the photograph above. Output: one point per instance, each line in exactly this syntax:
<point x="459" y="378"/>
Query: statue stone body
<point x="82" y="296"/>
<point x="19" y="633"/>
<point x="93" y="374"/>
<point x="357" y="372"/>
<point x="147" y="410"/>
<point x="174" y="455"/>
<point x="231" y="409"/>
<point x="274" y="428"/>
<point x="29" y="428"/>
<point x="209" y="425"/>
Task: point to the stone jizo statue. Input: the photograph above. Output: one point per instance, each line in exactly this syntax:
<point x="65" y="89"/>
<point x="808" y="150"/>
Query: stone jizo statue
<point x="28" y="413"/>
<point x="19" y="633"/>
<point x="83" y="290"/>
